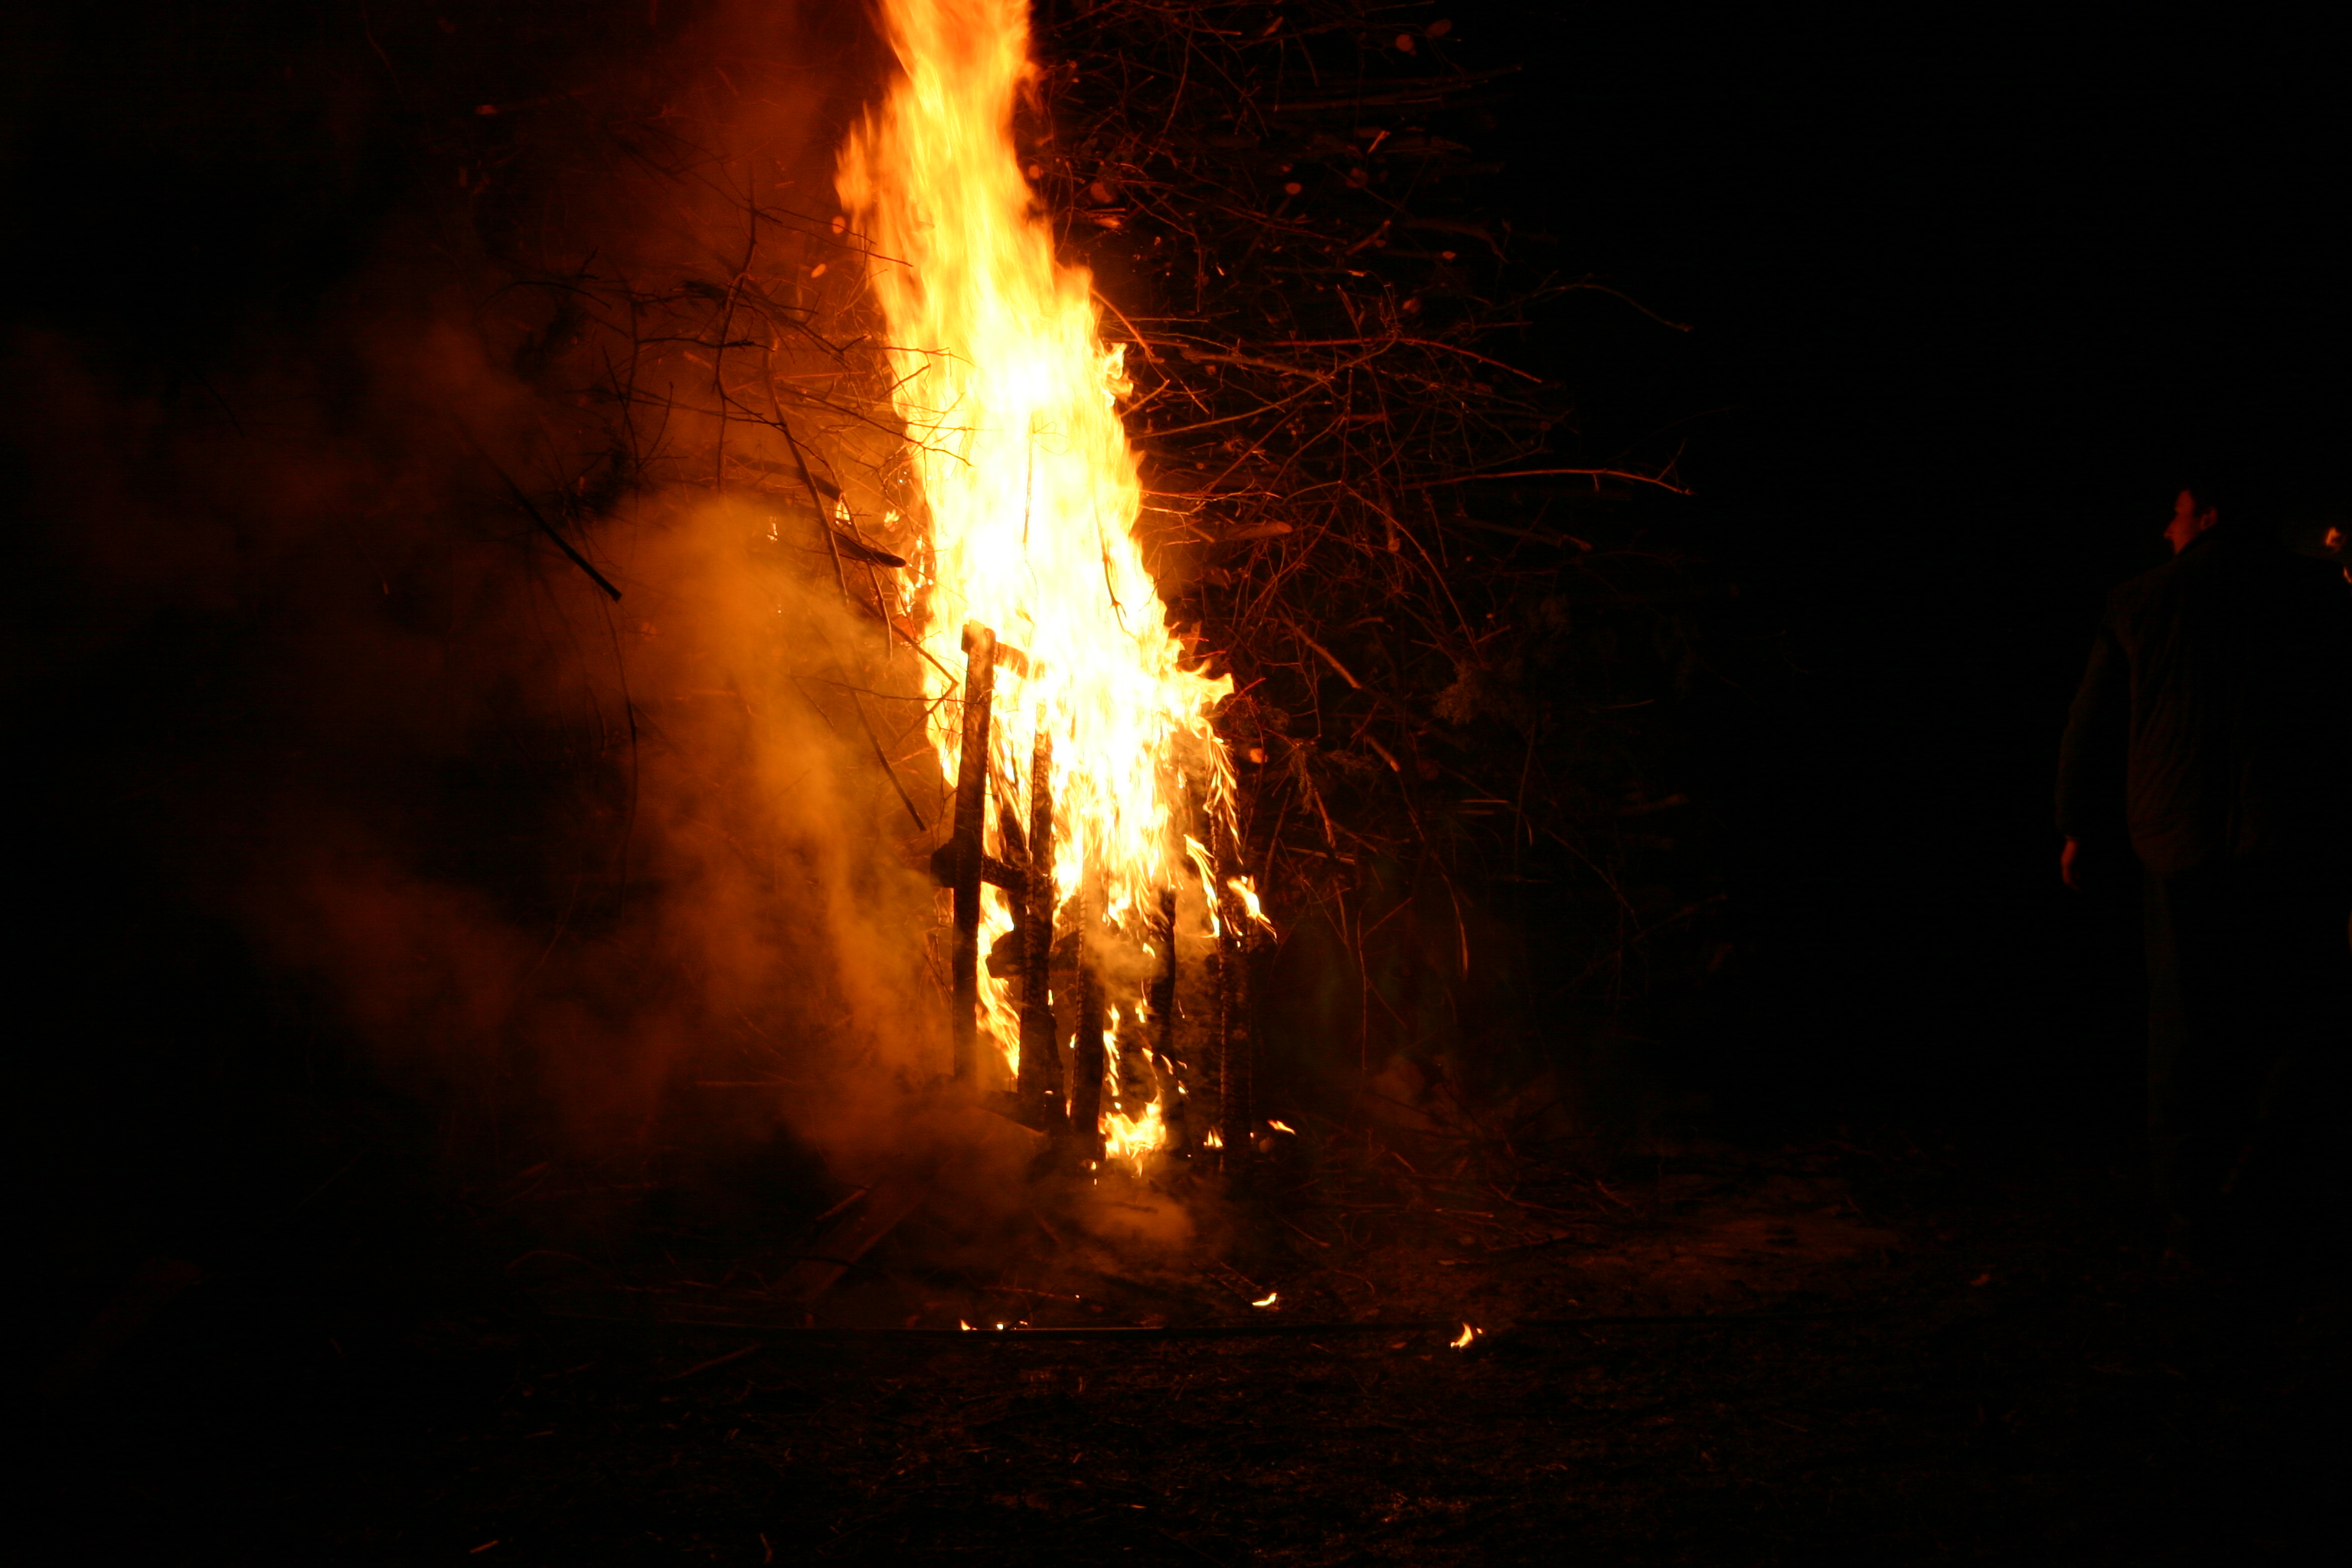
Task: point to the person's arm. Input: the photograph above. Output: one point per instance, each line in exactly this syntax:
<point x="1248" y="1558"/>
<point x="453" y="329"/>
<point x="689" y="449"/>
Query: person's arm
<point x="2090" y="757"/>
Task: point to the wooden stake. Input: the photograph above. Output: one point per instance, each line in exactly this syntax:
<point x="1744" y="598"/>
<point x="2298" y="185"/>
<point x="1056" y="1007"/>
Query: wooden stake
<point x="1163" y="985"/>
<point x="1237" y="1053"/>
<point x="1086" y="1064"/>
<point x="970" y="810"/>
<point x="1040" y="1085"/>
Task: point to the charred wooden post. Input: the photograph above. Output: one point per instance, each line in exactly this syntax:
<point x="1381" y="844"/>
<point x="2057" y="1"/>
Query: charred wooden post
<point x="1209" y="1034"/>
<point x="1040" y="1085"/>
<point x="1086" y="1057"/>
<point x="1236" y="1055"/>
<point x="965" y="856"/>
<point x="1210" y="1077"/>
<point x="1163" y="981"/>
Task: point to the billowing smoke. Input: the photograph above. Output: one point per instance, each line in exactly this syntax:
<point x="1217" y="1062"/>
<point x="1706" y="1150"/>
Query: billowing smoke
<point x="458" y="576"/>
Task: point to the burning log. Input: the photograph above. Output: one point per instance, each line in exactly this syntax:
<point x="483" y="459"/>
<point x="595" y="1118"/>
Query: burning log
<point x="1163" y="983"/>
<point x="970" y="807"/>
<point x="1040" y="1085"/>
<point x="1087" y="1058"/>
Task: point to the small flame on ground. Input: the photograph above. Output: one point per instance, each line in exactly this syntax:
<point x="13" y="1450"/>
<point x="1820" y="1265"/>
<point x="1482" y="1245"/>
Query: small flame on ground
<point x="964" y="1326"/>
<point x="1271" y="1298"/>
<point x="1284" y="1127"/>
<point x="1467" y="1334"/>
<point x="1214" y="1140"/>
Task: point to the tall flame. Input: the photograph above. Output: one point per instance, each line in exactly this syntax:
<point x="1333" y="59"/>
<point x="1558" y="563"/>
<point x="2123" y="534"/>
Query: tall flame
<point x="1009" y="394"/>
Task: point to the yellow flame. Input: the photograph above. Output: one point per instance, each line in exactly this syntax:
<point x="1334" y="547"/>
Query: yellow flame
<point x="1009" y="395"/>
<point x="1467" y="1334"/>
<point x="1272" y="1297"/>
<point x="1134" y="1138"/>
<point x="1198" y="853"/>
<point x="1284" y="1127"/>
<point x="1248" y="895"/>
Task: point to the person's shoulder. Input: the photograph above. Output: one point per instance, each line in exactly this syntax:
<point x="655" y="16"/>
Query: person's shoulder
<point x="2134" y="592"/>
<point x="2163" y="589"/>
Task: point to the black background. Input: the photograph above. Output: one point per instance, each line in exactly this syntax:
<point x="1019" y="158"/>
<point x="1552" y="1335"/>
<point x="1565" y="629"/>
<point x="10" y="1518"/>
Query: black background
<point x="1971" y="296"/>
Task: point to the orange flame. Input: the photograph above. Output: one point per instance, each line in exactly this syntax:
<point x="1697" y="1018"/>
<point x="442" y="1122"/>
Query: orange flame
<point x="1010" y="397"/>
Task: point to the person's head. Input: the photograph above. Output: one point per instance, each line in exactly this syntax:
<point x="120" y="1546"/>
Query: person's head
<point x="2194" y="510"/>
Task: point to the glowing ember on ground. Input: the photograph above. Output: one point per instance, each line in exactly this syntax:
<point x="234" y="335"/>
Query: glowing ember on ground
<point x="1010" y="397"/>
<point x="1272" y="1297"/>
<point x="1462" y="1341"/>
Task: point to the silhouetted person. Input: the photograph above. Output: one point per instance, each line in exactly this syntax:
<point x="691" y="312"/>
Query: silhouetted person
<point x="2213" y="733"/>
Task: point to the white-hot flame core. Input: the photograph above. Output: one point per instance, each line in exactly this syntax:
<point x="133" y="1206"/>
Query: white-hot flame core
<point x="1010" y="397"/>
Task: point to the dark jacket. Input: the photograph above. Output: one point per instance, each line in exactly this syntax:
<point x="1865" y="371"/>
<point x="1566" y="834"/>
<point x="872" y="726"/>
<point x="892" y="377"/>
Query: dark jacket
<point x="2215" y="720"/>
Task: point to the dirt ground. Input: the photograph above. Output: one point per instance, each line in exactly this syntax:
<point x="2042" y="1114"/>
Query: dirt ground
<point x="1868" y="1349"/>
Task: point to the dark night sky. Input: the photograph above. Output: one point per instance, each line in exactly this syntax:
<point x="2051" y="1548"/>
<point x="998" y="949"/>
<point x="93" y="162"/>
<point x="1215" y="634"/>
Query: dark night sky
<point x="1968" y="304"/>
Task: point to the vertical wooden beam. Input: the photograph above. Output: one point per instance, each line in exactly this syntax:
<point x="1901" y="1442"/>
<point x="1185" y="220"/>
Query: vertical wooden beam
<point x="1220" y="968"/>
<point x="1163" y="982"/>
<point x="1040" y="1085"/>
<point x="1237" y="1057"/>
<point x="964" y="845"/>
<point x="1086" y="1059"/>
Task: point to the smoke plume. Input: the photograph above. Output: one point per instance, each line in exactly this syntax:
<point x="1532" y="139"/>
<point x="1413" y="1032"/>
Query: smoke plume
<point x="424" y="640"/>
